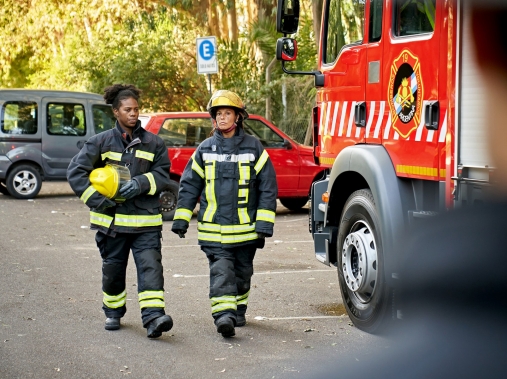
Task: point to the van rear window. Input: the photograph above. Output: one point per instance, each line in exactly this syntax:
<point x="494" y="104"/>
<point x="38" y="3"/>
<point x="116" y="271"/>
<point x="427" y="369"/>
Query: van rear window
<point x="66" y="119"/>
<point x="19" y="117"/>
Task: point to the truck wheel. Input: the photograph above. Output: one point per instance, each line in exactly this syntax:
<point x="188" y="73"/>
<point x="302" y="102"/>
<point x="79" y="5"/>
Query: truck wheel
<point x="361" y="264"/>
<point x="24" y="182"/>
<point x="294" y="203"/>
<point x="168" y="199"/>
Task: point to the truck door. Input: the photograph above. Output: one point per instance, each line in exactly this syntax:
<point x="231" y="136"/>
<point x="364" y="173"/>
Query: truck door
<point x="64" y="133"/>
<point x="414" y="127"/>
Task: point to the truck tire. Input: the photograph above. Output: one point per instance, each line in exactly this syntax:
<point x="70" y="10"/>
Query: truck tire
<point x="361" y="264"/>
<point x="24" y="182"/>
<point x="294" y="203"/>
<point x="168" y="201"/>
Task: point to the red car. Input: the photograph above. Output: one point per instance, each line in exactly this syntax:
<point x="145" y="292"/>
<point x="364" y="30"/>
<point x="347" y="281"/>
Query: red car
<point x="182" y="132"/>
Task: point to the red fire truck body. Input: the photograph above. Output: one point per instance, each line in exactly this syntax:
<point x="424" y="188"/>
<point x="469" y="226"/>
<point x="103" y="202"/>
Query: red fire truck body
<point x="398" y="123"/>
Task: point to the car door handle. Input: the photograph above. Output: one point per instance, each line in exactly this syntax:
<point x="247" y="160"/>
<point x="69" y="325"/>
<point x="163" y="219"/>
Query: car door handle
<point x="360" y="114"/>
<point x="80" y="144"/>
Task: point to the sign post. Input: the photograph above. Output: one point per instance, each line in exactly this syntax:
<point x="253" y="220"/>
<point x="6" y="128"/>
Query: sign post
<point x="207" y="62"/>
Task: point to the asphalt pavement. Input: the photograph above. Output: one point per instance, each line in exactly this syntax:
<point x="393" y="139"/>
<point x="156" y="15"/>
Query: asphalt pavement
<point x="51" y="322"/>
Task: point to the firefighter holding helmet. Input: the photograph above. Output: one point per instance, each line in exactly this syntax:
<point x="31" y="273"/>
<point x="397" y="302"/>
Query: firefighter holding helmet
<point x="119" y="174"/>
<point x="235" y="180"/>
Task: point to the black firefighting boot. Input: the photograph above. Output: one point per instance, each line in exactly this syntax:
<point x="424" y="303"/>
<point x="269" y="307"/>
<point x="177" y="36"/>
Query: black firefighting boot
<point x="240" y="316"/>
<point x="112" y="323"/>
<point x="160" y="324"/>
<point x="225" y="326"/>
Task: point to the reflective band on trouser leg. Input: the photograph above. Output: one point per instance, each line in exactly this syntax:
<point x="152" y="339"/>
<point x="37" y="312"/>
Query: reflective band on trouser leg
<point x="261" y="162"/>
<point x="87" y="193"/>
<point x="210" y="191"/>
<point x="244" y="178"/>
<point x="242" y="299"/>
<point x="265" y="215"/>
<point x="137" y="221"/>
<point x="153" y="185"/>
<point x="111" y="155"/>
<point x="151" y="299"/>
<point x="145" y="155"/>
<point x="183" y="214"/>
<point x="223" y="303"/>
<point x="114" y="301"/>
<point x="100" y="219"/>
<point x="195" y="166"/>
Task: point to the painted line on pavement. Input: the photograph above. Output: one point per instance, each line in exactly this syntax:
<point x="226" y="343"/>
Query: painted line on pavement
<point x="261" y="273"/>
<point x="275" y="242"/>
<point x="261" y="318"/>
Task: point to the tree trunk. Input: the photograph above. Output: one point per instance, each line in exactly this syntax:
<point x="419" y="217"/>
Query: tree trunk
<point x="317" y="18"/>
<point x="232" y="19"/>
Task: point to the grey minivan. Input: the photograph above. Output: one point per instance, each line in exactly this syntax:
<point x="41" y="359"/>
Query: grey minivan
<point x="40" y="132"/>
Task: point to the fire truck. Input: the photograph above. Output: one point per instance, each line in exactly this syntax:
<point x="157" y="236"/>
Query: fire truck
<point x="398" y="125"/>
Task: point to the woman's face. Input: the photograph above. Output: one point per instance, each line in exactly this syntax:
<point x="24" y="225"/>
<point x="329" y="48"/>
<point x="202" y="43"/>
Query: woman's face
<point x="127" y="113"/>
<point x="226" y="117"/>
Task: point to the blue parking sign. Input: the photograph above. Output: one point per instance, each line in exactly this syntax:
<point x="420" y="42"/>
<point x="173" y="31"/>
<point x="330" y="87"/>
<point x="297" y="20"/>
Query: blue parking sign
<point x="207" y="62"/>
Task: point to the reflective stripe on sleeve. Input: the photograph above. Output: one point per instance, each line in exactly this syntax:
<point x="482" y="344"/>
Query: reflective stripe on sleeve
<point x="151" y="299"/>
<point x="111" y="155"/>
<point x="183" y="214"/>
<point x="242" y="299"/>
<point x="100" y="219"/>
<point x="153" y="185"/>
<point x="195" y="166"/>
<point x="223" y="303"/>
<point x="261" y="162"/>
<point x="138" y="221"/>
<point x="145" y="155"/>
<point x="87" y="193"/>
<point x="114" y="301"/>
<point x="265" y="215"/>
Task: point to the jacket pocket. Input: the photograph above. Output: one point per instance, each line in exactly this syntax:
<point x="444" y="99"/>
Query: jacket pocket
<point x="150" y="203"/>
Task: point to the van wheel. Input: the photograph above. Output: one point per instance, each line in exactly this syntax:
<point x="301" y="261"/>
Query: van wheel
<point x="361" y="263"/>
<point x="24" y="182"/>
<point x="294" y="203"/>
<point x="168" y="200"/>
<point x="3" y="189"/>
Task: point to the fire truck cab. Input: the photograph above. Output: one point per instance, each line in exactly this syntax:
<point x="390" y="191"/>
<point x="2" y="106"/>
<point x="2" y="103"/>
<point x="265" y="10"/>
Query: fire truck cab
<point x="398" y="124"/>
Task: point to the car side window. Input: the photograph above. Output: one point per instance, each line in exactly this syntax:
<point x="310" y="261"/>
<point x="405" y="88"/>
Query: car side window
<point x="263" y="133"/>
<point x="66" y="119"/>
<point x="413" y="17"/>
<point x="19" y="117"/>
<point x="183" y="132"/>
<point x="103" y="118"/>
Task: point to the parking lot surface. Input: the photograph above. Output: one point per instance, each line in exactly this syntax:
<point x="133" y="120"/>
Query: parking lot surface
<point x="51" y="322"/>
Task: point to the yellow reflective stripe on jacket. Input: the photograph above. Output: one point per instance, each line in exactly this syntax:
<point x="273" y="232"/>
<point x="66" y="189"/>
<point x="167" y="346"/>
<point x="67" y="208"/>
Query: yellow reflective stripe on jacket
<point x="138" y="221"/>
<point x="183" y="214"/>
<point x="114" y="301"/>
<point x="226" y="238"/>
<point x="195" y="166"/>
<point x="151" y="299"/>
<point x="242" y="299"/>
<point x="265" y="215"/>
<point x="100" y="219"/>
<point x="145" y="155"/>
<point x="111" y="155"/>
<point x="209" y="190"/>
<point x="244" y="180"/>
<point x="87" y="193"/>
<point x="261" y="162"/>
<point x="153" y="185"/>
<point x="226" y="229"/>
<point x="222" y="303"/>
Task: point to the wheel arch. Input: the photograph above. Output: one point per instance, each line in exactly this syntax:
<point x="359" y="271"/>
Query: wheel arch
<point x="28" y="162"/>
<point x="369" y="166"/>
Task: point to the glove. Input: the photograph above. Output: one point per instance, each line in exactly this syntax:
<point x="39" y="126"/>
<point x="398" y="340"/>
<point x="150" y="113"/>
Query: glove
<point x="261" y="235"/>
<point x="180" y="228"/>
<point x="130" y="189"/>
<point x="261" y="240"/>
<point x="106" y="203"/>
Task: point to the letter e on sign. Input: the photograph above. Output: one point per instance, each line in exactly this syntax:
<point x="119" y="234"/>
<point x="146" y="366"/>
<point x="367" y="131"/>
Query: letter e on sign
<point x="207" y="62"/>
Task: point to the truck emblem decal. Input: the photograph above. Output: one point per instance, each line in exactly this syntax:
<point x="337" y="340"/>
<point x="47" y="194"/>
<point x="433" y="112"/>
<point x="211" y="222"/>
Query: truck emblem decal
<point x="405" y="93"/>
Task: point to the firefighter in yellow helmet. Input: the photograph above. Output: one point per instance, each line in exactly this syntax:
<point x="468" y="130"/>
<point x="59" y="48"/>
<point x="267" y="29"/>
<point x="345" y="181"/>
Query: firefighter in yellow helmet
<point x="119" y="174"/>
<point x="232" y="175"/>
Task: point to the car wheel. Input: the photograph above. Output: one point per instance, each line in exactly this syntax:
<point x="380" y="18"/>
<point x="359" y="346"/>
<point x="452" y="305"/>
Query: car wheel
<point x="24" y="182"/>
<point x="294" y="203"/>
<point x="360" y="263"/>
<point x="168" y="200"/>
<point x="3" y="189"/>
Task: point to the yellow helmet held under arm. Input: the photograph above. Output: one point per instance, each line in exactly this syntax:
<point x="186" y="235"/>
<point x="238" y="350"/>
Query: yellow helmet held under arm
<point x="109" y="179"/>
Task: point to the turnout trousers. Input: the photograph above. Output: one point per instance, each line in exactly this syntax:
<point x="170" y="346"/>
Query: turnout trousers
<point x="146" y="250"/>
<point x="231" y="270"/>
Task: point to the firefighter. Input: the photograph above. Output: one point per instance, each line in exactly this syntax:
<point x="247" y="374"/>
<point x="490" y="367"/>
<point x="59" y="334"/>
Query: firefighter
<point x="126" y="215"/>
<point x="235" y="180"/>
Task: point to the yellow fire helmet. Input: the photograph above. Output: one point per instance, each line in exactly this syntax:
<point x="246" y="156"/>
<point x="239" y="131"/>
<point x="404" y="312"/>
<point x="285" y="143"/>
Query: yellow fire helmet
<point x="225" y="98"/>
<point x="109" y="179"/>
